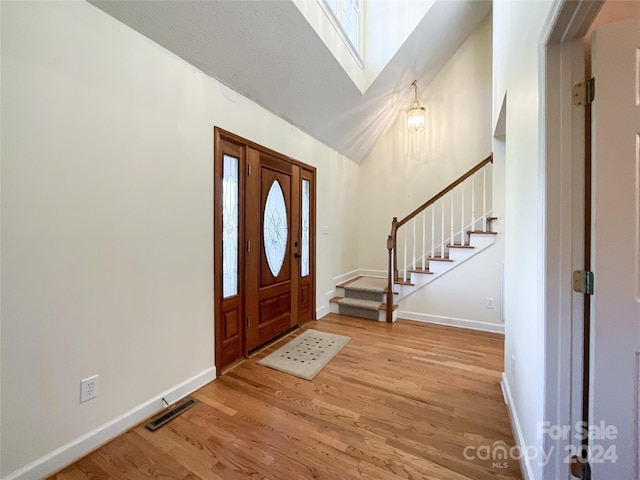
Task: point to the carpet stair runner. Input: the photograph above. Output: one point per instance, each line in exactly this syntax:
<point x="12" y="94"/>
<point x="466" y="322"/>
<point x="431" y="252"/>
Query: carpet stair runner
<point x="363" y="297"/>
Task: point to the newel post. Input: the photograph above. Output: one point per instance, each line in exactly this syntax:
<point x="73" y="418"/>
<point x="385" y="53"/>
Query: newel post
<point x="394" y="234"/>
<point x="390" y="281"/>
<point x="392" y="269"/>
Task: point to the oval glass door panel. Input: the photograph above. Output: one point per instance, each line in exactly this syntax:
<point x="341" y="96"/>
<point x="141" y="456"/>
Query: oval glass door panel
<point x="275" y="228"/>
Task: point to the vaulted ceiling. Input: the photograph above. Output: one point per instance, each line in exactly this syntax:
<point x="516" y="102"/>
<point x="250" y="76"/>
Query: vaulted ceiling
<point x="267" y="51"/>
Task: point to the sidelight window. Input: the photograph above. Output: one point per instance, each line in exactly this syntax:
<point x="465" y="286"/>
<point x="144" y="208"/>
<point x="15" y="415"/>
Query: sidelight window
<point x="230" y="226"/>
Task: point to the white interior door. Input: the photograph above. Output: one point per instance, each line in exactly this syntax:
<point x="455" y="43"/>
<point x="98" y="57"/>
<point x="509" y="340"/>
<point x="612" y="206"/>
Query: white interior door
<point x="615" y="350"/>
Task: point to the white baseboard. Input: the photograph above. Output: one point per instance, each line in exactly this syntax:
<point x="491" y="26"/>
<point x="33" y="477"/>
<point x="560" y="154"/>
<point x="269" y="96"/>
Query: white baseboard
<point x="345" y="276"/>
<point x="453" y="322"/>
<point x="92" y="440"/>
<point x="525" y="462"/>
<point x="321" y="312"/>
<point x="363" y="272"/>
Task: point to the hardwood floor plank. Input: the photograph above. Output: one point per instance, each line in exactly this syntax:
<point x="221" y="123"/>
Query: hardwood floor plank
<point x="400" y="401"/>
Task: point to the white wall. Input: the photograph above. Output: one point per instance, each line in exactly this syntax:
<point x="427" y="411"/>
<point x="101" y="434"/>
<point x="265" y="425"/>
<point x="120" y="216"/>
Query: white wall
<point x="517" y="30"/>
<point x="106" y="198"/>
<point x="459" y="297"/>
<point x="404" y="170"/>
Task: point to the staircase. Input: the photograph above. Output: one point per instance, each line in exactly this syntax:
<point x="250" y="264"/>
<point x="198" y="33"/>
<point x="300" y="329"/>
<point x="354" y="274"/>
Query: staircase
<point x="435" y="238"/>
<point x="363" y="297"/>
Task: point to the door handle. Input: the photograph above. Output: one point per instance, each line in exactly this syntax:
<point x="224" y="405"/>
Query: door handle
<point x="297" y="255"/>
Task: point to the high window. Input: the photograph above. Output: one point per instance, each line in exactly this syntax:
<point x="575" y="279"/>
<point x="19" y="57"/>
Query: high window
<point x="346" y="17"/>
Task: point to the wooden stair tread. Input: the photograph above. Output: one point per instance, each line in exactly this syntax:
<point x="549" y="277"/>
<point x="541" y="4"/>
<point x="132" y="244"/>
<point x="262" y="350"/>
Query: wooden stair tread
<point x="403" y="282"/>
<point x="419" y="270"/>
<point x="335" y="299"/>
<point x="439" y="259"/>
<point x="481" y="232"/>
<point x="456" y="245"/>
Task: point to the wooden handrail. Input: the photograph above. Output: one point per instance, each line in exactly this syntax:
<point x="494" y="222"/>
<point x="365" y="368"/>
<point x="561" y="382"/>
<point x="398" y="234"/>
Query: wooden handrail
<point x="445" y="190"/>
<point x="396" y="224"/>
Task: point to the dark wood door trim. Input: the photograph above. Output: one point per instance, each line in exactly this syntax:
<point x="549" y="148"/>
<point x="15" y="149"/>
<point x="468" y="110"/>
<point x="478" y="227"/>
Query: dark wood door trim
<point x="224" y="134"/>
<point x="307" y="291"/>
<point x="229" y="312"/>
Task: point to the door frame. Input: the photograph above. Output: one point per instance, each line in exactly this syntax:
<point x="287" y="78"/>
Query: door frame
<point x="563" y="143"/>
<point x="244" y="144"/>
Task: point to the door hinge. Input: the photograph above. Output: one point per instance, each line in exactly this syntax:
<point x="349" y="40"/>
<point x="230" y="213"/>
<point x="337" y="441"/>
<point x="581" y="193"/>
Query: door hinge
<point x="584" y="93"/>
<point x="583" y="281"/>
<point x="248" y="169"/>
<point x="248" y="322"/>
<point x="248" y="245"/>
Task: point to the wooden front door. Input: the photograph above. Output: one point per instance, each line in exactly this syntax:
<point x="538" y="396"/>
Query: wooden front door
<point x="264" y="246"/>
<point x="273" y="241"/>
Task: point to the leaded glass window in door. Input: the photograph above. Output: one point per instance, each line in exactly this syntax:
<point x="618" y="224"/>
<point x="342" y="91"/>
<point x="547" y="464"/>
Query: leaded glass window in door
<point x="230" y="220"/>
<point x="275" y="228"/>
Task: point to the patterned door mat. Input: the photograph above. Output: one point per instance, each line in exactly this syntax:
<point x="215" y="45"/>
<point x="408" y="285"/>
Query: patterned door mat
<point x="307" y="354"/>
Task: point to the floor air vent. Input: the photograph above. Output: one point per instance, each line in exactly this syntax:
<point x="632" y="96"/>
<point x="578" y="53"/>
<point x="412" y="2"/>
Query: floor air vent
<point x="166" y="417"/>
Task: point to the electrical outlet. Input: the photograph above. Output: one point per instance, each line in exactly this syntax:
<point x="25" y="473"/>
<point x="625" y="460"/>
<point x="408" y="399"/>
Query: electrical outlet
<point x="88" y="388"/>
<point x="488" y="303"/>
<point x="513" y="366"/>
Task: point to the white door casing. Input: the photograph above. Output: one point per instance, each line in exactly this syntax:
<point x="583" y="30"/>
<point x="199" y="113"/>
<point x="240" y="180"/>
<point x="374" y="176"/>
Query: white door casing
<point x="615" y="305"/>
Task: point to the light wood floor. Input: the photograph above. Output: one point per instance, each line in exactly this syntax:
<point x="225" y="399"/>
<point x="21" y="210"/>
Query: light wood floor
<point x="399" y="401"/>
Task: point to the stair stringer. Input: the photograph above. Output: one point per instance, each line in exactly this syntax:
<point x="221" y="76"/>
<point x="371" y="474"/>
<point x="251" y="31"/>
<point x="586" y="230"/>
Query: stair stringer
<point x="480" y="242"/>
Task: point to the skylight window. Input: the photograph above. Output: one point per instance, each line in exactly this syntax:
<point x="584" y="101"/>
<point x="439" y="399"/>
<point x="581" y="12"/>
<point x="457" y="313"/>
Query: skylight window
<point x="345" y="15"/>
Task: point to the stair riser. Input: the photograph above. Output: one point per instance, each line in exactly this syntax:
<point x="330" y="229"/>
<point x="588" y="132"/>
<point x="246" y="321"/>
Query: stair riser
<point x="363" y="295"/>
<point x="359" y="312"/>
<point x="460" y="254"/>
<point x="480" y="241"/>
<point x="439" y="268"/>
<point x="382" y="316"/>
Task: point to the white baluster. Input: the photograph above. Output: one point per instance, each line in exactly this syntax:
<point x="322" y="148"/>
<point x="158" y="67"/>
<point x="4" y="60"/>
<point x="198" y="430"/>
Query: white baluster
<point x="433" y="229"/>
<point x="473" y="201"/>
<point x="462" y="213"/>
<point x="452" y="222"/>
<point x="404" y="263"/>
<point x="442" y="232"/>
<point x="424" y="235"/>
<point x="413" y="263"/>
<point x="484" y="199"/>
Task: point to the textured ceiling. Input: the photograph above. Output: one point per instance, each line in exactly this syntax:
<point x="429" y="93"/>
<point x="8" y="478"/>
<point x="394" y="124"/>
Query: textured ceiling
<point x="267" y="51"/>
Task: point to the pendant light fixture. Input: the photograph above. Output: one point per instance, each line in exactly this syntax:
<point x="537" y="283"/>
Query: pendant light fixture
<point x="416" y="118"/>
